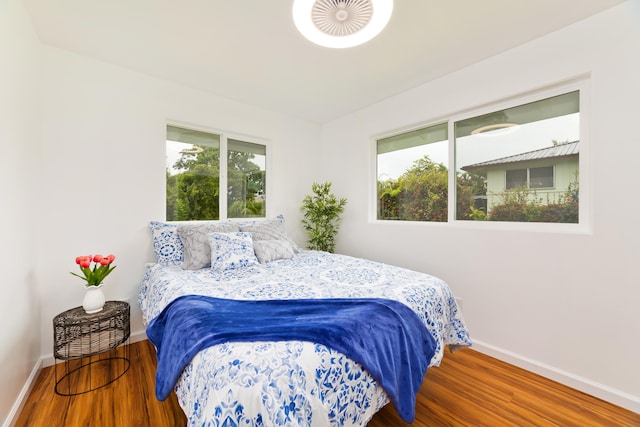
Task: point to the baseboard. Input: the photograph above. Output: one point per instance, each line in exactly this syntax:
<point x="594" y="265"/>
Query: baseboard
<point x="44" y="361"/>
<point x="22" y="397"/>
<point x="138" y="336"/>
<point x="601" y="391"/>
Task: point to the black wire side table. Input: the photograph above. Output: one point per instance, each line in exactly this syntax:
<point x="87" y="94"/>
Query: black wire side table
<point x="91" y="347"/>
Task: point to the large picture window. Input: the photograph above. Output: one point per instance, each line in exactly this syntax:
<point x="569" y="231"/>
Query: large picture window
<point x="527" y="159"/>
<point x="517" y="164"/>
<point x="196" y="188"/>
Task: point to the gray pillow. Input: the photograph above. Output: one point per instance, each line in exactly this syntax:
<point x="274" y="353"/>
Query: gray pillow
<point x="197" y="252"/>
<point x="271" y="250"/>
<point x="269" y="229"/>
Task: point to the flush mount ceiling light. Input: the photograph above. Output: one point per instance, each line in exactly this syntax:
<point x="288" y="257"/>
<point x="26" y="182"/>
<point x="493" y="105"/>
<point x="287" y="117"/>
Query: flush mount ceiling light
<point x="341" y="23"/>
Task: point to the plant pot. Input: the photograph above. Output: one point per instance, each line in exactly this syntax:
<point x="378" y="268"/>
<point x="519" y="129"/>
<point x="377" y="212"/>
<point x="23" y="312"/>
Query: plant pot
<point x="94" y="299"/>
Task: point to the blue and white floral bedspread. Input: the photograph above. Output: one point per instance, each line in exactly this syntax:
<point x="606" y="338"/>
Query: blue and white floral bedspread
<point x="294" y="383"/>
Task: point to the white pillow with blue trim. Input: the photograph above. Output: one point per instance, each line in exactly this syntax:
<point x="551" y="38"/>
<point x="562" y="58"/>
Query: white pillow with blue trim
<point x="230" y="251"/>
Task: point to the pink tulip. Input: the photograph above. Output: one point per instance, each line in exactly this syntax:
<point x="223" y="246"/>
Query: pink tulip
<point x="93" y="276"/>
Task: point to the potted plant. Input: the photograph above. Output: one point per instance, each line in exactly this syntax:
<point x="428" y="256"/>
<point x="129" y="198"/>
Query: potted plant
<point x="321" y="218"/>
<point x="94" y="270"/>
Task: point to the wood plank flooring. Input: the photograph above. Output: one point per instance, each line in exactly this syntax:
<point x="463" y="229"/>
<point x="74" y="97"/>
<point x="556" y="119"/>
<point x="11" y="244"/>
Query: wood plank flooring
<point x="468" y="389"/>
<point x="128" y="402"/>
<point x="472" y="389"/>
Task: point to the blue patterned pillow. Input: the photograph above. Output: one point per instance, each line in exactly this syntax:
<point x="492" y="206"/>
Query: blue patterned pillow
<point x="230" y="251"/>
<point x="166" y="243"/>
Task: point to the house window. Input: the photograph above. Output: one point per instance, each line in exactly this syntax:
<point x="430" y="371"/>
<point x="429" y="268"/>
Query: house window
<point x="541" y="177"/>
<point x="516" y="178"/>
<point x="412" y="175"/>
<point x="526" y="160"/>
<point x="196" y="189"/>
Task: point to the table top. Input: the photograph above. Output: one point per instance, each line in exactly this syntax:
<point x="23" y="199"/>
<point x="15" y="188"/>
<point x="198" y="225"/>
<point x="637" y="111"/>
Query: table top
<point x="77" y="315"/>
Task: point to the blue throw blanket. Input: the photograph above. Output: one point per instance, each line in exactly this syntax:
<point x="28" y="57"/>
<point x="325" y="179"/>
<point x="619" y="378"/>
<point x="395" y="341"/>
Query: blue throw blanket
<point x="386" y="337"/>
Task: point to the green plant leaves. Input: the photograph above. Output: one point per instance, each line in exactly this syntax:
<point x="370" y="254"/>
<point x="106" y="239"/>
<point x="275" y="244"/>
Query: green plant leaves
<point x="322" y="211"/>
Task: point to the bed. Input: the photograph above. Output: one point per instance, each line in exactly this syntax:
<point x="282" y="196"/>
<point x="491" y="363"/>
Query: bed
<point x="281" y="382"/>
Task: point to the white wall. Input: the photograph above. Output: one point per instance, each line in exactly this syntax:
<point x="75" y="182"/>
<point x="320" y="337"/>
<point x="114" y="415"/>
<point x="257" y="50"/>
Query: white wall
<point x="20" y="55"/>
<point x="103" y="175"/>
<point x="82" y="168"/>
<point x="560" y="304"/>
<point x="564" y="305"/>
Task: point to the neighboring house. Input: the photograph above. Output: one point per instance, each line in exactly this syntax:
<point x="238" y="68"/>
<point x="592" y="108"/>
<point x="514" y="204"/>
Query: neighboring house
<point x="547" y="173"/>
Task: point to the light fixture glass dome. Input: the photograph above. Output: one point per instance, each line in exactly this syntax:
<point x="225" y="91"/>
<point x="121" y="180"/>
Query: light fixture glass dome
<point x="341" y="23"/>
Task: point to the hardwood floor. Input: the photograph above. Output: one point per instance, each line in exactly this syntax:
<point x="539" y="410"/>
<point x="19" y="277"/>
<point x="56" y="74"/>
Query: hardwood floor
<point x="468" y="389"/>
<point x="128" y="402"/>
<point x="473" y="389"/>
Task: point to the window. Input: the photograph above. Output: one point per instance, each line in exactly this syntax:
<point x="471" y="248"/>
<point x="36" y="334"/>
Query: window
<point x="246" y="179"/>
<point x="195" y="187"/>
<point x="530" y="178"/>
<point x="519" y="163"/>
<point x="541" y="177"/>
<point x="412" y="170"/>
<point x="525" y="159"/>
<point x="516" y="178"/>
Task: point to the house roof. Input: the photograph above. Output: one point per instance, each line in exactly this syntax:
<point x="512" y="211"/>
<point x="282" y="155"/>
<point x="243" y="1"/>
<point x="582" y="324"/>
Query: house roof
<point x="560" y="150"/>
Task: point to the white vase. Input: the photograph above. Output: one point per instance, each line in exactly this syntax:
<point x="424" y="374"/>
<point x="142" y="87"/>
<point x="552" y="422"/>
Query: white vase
<point x="93" y="300"/>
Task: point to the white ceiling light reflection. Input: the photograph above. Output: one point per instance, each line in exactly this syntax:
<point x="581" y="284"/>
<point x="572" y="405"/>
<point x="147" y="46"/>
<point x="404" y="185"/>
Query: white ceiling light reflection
<point x="494" y="130"/>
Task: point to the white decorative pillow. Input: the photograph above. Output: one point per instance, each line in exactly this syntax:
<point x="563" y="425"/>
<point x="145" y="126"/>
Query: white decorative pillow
<point x="230" y="251"/>
<point x="270" y="229"/>
<point x="194" y="237"/>
<point x="166" y="243"/>
<point x="271" y="250"/>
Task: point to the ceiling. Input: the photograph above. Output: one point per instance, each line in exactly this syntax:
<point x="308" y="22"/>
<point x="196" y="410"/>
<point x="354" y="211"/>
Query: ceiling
<point x="250" y="50"/>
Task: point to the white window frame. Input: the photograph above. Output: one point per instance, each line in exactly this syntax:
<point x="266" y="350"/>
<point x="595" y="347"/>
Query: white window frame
<point x="224" y="137"/>
<point x="579" y="83"/>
